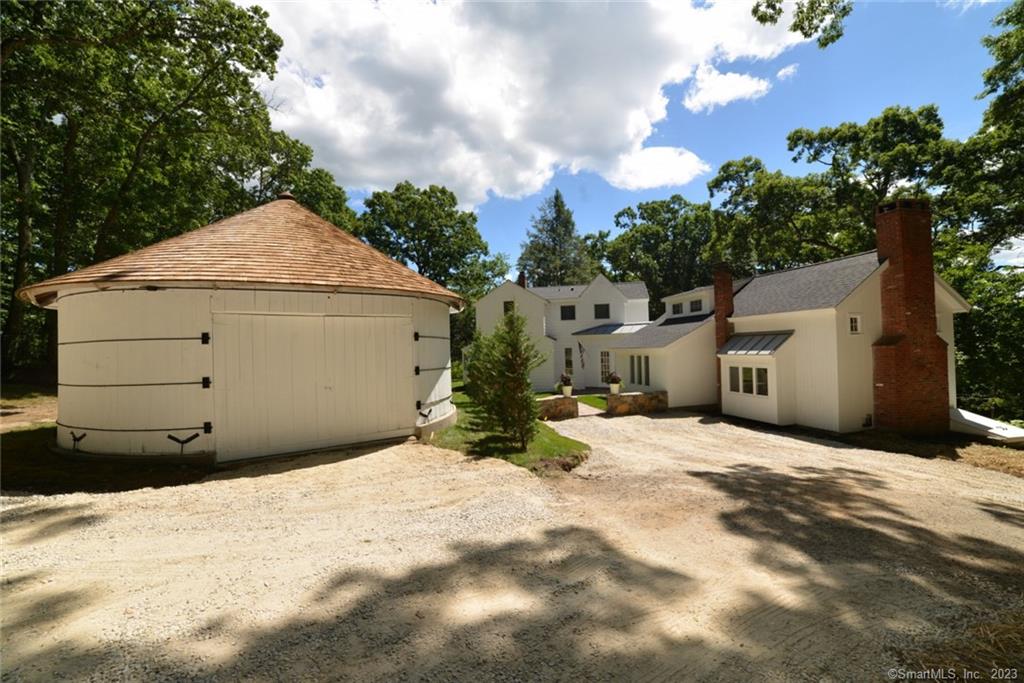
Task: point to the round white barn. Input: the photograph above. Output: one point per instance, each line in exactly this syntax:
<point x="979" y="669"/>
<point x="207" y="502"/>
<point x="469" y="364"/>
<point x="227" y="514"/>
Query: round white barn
<point x="265" y="333"/>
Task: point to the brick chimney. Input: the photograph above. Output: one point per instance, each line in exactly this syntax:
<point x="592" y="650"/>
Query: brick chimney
<point x="723" y="309"/>
<point x="521" y="280"/>
<point x="911" y="384"/>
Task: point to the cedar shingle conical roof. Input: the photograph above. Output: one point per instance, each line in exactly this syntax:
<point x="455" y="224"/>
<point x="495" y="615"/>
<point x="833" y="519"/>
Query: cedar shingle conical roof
<point x="278" y="243"/>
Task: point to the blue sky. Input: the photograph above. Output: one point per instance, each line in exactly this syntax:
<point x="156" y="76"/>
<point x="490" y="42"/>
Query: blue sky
<point x="910" y="54"/>
<point x="613" y="103"/>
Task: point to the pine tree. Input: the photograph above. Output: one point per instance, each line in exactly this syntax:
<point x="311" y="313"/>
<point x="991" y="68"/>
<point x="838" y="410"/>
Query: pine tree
<point x="499" y="376"/>
<point x="554" y="253"/>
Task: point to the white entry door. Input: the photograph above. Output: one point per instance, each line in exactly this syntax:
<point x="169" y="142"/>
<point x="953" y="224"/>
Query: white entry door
<point x="287" y="383"/>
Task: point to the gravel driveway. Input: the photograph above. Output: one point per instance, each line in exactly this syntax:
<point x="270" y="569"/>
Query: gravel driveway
<point x="683" y="549"/>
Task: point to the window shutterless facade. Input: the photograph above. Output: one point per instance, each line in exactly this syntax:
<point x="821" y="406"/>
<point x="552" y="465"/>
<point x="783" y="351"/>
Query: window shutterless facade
<point x="647" y="371"/>
<point x="677" y="309"/>
<point x="606" y="365"/>
<point x="632" y="369"/>
<point x="748" y="380"/>
<point x="602" y="311"/>
<point x="508" y="306"/>
<point x="568" y="360"/>
<point x="696" y="306"/>
<point x="568" y="312"/>
<point x="855" y="324"/>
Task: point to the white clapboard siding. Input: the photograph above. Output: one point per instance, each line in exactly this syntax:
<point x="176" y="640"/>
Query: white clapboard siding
<point x="286" y="382"/>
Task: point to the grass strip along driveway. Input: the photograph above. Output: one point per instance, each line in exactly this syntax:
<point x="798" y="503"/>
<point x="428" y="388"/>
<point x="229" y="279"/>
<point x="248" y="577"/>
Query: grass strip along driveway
<point x="548" y="451"/>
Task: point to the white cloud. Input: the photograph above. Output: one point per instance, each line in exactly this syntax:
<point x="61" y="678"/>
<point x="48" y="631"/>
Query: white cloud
<point x="787" y="72"/>
<point x="494" y="97"/>
<point x="711" y="88"/>
<point x="1012" y="256"/>
<point x="655" y="167"/>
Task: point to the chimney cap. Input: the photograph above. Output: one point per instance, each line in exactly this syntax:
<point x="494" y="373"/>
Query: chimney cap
<point x="722" y="266"/>
<point x="286" y="195"/>
<point x="904" y="205"/>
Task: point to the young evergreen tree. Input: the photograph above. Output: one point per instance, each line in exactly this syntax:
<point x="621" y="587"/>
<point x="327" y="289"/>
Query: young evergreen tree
<point x="554" y="253"/>
<point x="498" y="370"/>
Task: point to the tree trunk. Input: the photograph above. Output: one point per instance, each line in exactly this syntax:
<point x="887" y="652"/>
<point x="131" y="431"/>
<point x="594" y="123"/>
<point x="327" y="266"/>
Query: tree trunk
<point x="13" y="329"/>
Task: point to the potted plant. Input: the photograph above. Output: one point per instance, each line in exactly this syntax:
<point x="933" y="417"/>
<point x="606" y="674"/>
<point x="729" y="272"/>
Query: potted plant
<point x="565" y="384"/>
<point x="614" y="382"/>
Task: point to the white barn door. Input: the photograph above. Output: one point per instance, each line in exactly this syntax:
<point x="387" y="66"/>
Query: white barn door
<point x="284" y="383"/>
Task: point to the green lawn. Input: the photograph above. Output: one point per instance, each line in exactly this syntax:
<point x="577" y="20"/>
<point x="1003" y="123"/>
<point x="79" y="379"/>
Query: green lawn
<point x="548" y="451"/>
<point x="599" y="401"/>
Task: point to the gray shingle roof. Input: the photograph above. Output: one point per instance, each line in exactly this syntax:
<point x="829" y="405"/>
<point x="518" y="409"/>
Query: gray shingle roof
<point x="630" y="290"/>
<point x="659" y="334"/>
<point x="754" y="344"/>
<point x="821" y="285"/>
<point x="612" y="328"/>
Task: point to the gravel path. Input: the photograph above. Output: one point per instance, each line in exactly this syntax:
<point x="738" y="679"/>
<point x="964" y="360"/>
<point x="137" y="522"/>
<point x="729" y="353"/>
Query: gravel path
<point x="680" y="550"/>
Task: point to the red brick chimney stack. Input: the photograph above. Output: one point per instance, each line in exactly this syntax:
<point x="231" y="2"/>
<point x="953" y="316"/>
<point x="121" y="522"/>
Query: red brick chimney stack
<point x="911" y="383"/>
<point x="521" y="280"/>
<point x="723" y="309"/>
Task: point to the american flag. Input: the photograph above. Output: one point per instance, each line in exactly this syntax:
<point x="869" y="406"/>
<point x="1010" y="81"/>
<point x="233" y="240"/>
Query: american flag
<point x="583" y="358"/>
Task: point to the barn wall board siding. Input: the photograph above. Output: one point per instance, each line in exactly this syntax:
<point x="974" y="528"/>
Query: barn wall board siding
<point x="310" y="357"/>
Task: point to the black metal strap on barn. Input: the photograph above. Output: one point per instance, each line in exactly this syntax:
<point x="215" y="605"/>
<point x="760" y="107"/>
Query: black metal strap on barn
<point x="203" y="338"/>
<point x="205" y="383"/>
<point x="206" y="428"/>
<point x="416" y="336"/>
<point x="417" y="370"/>
<point x="423" y="404"/>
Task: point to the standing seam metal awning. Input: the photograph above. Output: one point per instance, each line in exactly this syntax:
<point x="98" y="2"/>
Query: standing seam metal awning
<point x="754" y="344"/>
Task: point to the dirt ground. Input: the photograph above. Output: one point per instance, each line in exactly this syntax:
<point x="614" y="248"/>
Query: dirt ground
<point x="685" y="548"/>
<point x="25" y="406"/>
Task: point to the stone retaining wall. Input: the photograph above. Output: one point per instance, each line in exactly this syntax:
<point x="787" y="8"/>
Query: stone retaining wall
<point x="637" y="403"/>
<point x="558" y="407"/>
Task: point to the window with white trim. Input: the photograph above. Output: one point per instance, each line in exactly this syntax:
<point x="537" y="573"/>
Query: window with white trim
<point x="606" y="365"/>
<point x="647" y="371"/>
<point x="568" y="360"/>
<point x="568" y="312"/>
<point x="696" y="306"/>
<point x="748" y="380"/>
<point x="677" y="309"/>
<point x="761" y="381"/>
<point x="602" y="311"/>
<point x="855" y="324"/>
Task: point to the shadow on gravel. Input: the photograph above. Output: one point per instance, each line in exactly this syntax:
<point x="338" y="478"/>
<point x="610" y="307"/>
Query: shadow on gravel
<point x="862" y="567"/>
<point x="567" y="605"/>
<point x="31" y="524"/>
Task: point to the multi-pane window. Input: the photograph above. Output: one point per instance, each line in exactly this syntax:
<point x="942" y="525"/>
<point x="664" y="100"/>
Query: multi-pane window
<point x="696" y="305"/>
<point x="640" y="370"/>
<point x="677" y="309"/>
<point x="854" y="324"/>
<point x="568" y="312"/>
<point x="568" y="360"/>
<point x="761" y="381"/>
<point x="748" y="380"/>
<point x="508" y="306"/>
<point x="606" y="365"/>
<point x="632" y="369"/>
<point x="602" y="311"/>
<point x="647" y="371"/>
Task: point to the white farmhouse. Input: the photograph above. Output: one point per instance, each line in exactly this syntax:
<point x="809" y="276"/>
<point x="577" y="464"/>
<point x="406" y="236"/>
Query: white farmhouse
<point x="575" y="327"/>
<point x="860" y="341"/>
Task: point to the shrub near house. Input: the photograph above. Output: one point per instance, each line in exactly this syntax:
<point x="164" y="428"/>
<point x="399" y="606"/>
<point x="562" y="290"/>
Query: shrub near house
<point x="499" y="374"/>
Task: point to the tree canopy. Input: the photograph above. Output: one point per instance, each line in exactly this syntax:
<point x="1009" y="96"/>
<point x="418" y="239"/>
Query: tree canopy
<point x="126" y="123"/>
<point x="554" y="253"/>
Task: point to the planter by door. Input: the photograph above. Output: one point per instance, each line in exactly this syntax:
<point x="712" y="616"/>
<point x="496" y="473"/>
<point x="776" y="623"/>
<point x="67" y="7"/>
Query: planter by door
<point x="614" y="388"/>
<point x="566" y="390"/>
